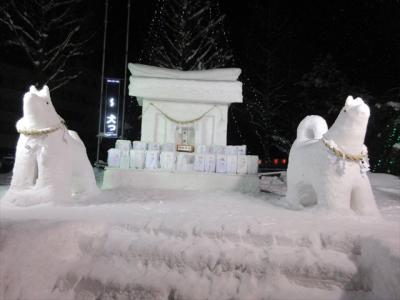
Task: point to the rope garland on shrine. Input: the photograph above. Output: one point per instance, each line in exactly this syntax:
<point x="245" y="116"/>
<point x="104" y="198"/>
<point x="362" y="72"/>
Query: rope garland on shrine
<point x="341" y="154"/>
<point x="182" y="121"/>
<point x="43" y="131"/>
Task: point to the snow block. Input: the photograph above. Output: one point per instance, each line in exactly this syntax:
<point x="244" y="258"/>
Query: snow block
<point x="152" y="159"/>
<point x="221" y="163"/>
<point x="199" y="162"/>
<point x="231" y="150"/>
<point x="153" y="146"/>
<point x="114" y="157"/>
<point x="123" y="145"/>
<point x="168" y="147"/>
<point x="167" y="160"/>
<point x="137" y="159"/>
<point x="241" y="164"/>
<point x="185" y="162"/>
<point x="201" y="149"/>
<point x="209" y="164"/>
<point x="189" y="180"/>
<point x="124" y="159"/>
<point x="139" y="145"/>
<point x="252" y="164"/>
<point x="231" y="164"/>
<point x="241" y="150"/>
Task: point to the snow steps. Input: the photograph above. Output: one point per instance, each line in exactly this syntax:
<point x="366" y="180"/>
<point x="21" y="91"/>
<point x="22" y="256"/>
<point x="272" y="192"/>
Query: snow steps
<point x="206" y="261"/>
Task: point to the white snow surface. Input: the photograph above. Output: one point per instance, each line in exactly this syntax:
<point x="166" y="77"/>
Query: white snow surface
<point x="185" y="90"/>
<point x="200" y="86"/>
<point x="225" y="74"/>
<point x="159" y="244"/>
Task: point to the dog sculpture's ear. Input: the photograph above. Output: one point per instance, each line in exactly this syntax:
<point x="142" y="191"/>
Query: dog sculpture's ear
<point x="349" y="100"/>
<point x="32" y="89"/>
<point x="46" y="91"/>
<point x="359" y="101"/>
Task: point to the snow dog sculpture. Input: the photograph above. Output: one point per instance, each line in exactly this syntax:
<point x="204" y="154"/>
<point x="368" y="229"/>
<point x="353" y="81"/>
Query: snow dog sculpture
<point x="51" y="161"/>
<point x="328" y="167"/>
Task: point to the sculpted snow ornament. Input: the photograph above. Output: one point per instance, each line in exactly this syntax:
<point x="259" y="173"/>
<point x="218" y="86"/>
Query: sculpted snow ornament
<point x="51" y="161"/>
<point x="328" y="167"/>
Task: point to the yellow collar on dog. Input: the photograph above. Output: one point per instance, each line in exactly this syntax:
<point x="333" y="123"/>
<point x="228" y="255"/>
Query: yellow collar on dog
<point x="342" y="154"/>
<point x="43" y="131"/>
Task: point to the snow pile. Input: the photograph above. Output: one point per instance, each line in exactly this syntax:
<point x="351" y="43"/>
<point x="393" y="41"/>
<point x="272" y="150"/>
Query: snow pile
<point x="158" y="244"/>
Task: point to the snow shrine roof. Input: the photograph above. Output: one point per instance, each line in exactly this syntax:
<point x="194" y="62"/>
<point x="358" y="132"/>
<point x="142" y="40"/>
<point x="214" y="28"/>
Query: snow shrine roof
<point x="203" y="86"/>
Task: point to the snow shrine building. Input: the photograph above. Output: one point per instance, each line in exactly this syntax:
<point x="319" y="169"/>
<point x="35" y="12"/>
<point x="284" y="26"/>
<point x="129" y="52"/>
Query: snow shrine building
<point x="184" y="107"/>
<point x="184" y="133"/>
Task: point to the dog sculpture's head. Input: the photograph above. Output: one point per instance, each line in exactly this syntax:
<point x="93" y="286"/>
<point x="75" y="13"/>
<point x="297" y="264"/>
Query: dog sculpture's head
<point x="354" y="114"/>
<point x="38" y="109"/>
<point x="350" y="127"/>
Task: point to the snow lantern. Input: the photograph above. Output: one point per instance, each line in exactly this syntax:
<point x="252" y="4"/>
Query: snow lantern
<point x="184" y="107"/>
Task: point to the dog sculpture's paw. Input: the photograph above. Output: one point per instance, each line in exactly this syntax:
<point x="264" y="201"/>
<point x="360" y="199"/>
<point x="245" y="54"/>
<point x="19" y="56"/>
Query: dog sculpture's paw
<point x="290" y="204"/>
<point x="22" y="198"/>
<point x="343" y="212"/>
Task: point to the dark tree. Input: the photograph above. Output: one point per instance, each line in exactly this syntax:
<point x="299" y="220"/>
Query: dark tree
<point x="49" y="32"/>
<point x="266" y="65"/>
<point x="187" y="35"/>
<point x="324" y="89"/>
<point x="385" y="132"/>
<point x="184" y="35"/>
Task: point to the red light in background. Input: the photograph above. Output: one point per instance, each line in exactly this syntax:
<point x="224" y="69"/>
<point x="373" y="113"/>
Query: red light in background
<point x="284" y="161"/>
<point x="275" y="161"/>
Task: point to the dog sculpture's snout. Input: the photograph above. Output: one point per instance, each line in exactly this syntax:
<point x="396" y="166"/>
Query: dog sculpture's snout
<point x="363" y="109"/>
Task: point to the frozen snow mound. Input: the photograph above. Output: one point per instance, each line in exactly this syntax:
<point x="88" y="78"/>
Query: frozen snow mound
<point x="163" y="244"/>
<point x="152" y="261"/>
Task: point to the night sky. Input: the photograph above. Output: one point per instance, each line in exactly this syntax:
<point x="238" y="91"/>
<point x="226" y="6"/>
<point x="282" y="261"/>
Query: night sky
<point x="363" y="37"/>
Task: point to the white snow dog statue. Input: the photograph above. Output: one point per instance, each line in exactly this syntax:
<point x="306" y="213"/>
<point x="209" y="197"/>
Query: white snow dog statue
<point x="51" y="163"/>
<point x="328" y="168"/>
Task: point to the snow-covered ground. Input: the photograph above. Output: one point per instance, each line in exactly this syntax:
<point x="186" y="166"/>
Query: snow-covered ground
<point x="158" y="244"/>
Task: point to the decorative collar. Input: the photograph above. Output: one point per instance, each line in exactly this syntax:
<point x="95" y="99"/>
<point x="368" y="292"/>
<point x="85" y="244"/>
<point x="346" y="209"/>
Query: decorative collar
<point x="37" y="132"/>
<point x="331" y="145"/>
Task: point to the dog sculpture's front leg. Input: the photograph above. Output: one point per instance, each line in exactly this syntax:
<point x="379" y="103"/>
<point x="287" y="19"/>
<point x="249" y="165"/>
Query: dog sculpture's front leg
<point x="293" y="195"/>
<point x="362" y="198"/>
<point x="25" y="167"/>
<point x="83" y="179"/>
<point x="334" y="193"/>
<point x="54" y="177"/>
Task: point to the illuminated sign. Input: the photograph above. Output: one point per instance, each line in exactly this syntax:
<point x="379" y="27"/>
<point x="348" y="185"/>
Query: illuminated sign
<point x="111" y="109"/>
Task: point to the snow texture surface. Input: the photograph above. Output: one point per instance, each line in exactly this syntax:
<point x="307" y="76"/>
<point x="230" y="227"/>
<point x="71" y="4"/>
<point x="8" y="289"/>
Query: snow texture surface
<point x="185" y="90"/>
<point x="224" y="74"/>
<point x="158" y="244"/>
